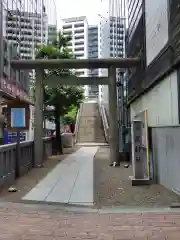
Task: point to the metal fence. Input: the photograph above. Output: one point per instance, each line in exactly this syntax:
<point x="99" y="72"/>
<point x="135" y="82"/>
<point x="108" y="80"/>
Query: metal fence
<point x="14" y="165"/>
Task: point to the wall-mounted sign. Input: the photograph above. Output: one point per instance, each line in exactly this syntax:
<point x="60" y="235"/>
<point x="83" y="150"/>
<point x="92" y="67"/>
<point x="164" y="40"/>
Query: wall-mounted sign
<point x="18" y="119"/>
<point x="13" y="89"/>
<point x="18" y="115"/>
<point x="12" y="137"/>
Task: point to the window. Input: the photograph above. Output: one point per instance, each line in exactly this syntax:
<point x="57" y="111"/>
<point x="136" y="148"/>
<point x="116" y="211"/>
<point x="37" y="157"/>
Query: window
<point x="79" y="37"/>
<point x="79" y="49"/>
<point x="79" y="25"/>
<point x="79" y="43"/>
<point x="79" y="31"/>
<point x="68" y="33"/>
<point x="67" y="26"/>
<point x="79" y="55"/>
<point x="78" y="73"/>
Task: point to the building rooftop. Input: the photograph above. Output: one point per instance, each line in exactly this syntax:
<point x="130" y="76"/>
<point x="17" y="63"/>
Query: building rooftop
<point x="74" y="19"/>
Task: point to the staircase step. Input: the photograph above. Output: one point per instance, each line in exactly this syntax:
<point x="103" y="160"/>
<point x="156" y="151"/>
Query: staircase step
<point x="90" y="126"/>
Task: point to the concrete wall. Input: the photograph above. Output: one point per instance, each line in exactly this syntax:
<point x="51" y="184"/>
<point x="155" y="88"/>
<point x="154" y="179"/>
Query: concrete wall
<point x="156" y="27"/>
<point x="166" y="156"/>
<point x="161" y="103"/>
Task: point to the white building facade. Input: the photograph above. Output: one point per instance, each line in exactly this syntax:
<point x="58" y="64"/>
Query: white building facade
<point x="33" y="33"/>
<point x="111" y="44"/>
<point x="93" y="90"/>
<point x="77" y="28"/>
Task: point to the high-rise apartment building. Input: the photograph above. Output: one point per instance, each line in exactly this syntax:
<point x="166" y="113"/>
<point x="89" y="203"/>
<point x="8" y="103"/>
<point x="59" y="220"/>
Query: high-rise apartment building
<point x="28" y="29"/>
<point x="23" y="26"/>
<point x="52" y="33"/>
<point x="111" y="44"/>
<point x="77" y="28"/>
<point x="93" y="90"/>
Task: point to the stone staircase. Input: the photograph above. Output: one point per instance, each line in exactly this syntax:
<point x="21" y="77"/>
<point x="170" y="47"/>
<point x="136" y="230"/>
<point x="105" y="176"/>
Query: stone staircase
<point x="90" y="127"/>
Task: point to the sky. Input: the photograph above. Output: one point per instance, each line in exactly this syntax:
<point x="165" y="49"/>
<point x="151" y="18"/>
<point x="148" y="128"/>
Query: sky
<point x="74" y="8"/>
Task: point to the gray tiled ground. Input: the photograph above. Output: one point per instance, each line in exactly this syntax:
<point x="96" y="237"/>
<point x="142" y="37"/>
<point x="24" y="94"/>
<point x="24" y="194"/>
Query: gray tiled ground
<point x="90" y="144"/>
<point x="71" y="181"/>
<point x="85" y="173"/>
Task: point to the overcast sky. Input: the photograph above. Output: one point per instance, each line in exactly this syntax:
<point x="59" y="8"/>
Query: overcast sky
<point x="74" y="8"/>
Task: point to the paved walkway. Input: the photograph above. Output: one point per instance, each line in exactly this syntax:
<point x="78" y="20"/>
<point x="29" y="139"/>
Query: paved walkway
<point x="71" y="181"/>
<point x="29" y="222"/>
<point x="91" y="144"/>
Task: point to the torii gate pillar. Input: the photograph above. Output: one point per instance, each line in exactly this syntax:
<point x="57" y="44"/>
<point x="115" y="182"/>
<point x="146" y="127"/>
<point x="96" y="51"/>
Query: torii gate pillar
<point x="113" y="117"/>
<point x="38" y="131"/>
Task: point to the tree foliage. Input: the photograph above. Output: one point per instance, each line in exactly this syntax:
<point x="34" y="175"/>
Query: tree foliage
<point x="72" y="113"/>
<point x="63" y="97"/>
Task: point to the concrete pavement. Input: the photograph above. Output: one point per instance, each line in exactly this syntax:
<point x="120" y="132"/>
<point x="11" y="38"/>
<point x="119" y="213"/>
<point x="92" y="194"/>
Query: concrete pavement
<point x="71" y="181"/>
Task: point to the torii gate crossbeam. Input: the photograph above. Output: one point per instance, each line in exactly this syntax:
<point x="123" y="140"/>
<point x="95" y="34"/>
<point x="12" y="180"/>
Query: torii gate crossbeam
<point x="111" y="64"/>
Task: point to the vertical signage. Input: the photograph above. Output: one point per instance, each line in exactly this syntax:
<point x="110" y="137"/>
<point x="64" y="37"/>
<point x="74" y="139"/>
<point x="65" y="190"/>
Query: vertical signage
<point x="141" y="146"/>
<point x="138" y="158"/>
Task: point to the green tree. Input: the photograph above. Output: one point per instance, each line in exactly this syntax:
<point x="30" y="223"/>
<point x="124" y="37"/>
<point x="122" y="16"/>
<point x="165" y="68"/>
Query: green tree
<point x="62" y="98"/>
<point x="72" y="113"/>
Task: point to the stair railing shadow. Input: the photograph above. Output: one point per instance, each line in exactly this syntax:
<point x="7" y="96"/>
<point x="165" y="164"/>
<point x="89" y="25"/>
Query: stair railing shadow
<point x="104" y="120"/>
<point x="98" y="128"/>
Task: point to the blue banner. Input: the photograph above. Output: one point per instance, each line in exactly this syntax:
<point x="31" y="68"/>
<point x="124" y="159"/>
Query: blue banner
<point x="6" y="136"/>
<point x="18" y="117"/>
<point x="12" y="137"/>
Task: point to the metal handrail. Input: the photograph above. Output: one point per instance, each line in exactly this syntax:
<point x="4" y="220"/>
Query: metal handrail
<point x="77" y="122"/>
<point x="104" y="120"/>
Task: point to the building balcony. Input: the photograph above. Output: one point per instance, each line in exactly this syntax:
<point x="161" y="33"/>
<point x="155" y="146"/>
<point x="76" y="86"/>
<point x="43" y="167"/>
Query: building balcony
<point x="79" y="49"/>
<point x="67" y="33"/>
<point x="79" y="55"/>
<point x="67" y="27"/>
<point x="79" y="25"/>
<point x="79" y="43"/>
<point x="78" y="34"/>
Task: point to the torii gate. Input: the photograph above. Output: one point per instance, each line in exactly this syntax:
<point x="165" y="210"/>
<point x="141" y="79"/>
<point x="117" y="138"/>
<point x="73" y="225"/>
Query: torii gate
<point x="111" y="64"/>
